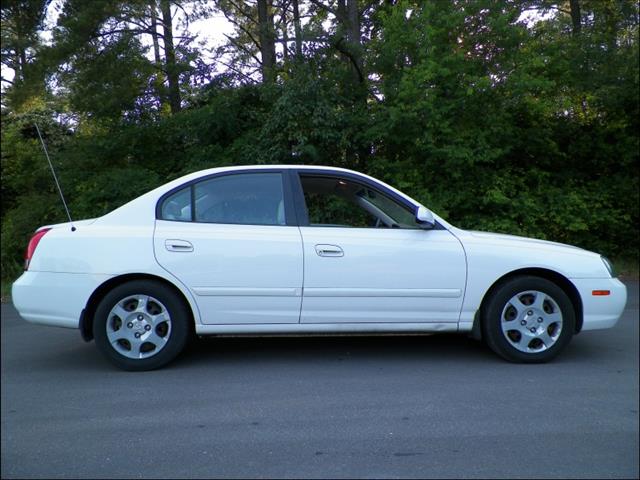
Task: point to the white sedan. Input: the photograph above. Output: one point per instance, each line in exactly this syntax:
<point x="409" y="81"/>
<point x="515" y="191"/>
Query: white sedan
<point x="265" y="250"/>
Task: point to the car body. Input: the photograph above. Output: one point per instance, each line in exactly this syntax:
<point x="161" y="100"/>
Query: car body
<point x="292" y="249"/>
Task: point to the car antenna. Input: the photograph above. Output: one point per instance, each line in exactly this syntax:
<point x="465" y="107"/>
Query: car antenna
<point x="53" y="172"/>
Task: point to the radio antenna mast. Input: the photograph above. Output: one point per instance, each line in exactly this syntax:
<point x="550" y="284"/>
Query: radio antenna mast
<point x="53" y="172"/>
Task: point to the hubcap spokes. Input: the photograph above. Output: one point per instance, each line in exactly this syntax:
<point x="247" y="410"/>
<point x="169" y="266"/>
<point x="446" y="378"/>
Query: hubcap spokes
<point x="138" y="326"/>
<point x="531" y="321"/>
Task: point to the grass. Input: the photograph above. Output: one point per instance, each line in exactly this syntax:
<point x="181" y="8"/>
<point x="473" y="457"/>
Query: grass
<point x="5" y="291"/>
<point x="626" y="268"/>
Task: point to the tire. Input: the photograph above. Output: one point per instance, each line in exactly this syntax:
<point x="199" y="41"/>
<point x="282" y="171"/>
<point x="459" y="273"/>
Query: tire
<point x="141" y="325"/>
<point x="528" y="320"/>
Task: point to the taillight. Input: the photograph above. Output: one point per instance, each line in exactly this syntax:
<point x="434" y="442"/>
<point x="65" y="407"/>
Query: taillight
<point x="31" y="247"/>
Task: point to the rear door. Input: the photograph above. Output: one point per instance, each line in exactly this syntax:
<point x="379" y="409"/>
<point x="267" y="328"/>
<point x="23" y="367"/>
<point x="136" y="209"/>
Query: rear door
<point x="232" y="240"/>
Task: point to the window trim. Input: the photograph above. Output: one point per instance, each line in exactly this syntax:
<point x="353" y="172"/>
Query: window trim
<point x="289" y="208"/>
<point x="301" y="206"/>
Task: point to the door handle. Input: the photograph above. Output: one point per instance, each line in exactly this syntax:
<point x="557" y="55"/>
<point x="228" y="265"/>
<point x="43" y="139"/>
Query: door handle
<point x="329" y="251"/>
<point x="178" y="246"/>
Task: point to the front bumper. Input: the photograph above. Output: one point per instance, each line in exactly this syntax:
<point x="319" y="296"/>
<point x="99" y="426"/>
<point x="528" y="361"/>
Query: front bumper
<point x="601" y="311"/>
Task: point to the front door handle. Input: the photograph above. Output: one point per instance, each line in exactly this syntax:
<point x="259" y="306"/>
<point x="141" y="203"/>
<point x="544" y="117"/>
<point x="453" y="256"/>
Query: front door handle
<point x="329" y="250"/>
<point x="174" y="245"/>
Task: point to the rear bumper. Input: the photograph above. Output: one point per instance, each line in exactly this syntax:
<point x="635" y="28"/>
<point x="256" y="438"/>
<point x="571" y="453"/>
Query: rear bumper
<point x="601" y="311"/>
<point x="51" y="298"/>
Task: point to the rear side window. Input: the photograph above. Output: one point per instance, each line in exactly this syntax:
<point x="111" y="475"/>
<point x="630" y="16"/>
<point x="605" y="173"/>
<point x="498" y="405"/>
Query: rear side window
<point x="248" y="198"/>
<point x="178" y="206"/>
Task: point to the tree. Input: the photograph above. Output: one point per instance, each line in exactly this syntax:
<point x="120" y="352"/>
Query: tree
<point x="171" y="67"/>
<point x="267" y="39"/>
<point x="495" y="123"/>
<point x="21" y="45"/>
<point x="86" y="31"/>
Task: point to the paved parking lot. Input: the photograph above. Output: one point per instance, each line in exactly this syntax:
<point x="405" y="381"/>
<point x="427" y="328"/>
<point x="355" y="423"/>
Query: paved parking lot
<point x="336" y="407"/>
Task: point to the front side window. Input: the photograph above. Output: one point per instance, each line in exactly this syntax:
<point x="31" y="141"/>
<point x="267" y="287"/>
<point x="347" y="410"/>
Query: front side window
<point x="248" y="198"/>
<point x="338" y="202"/>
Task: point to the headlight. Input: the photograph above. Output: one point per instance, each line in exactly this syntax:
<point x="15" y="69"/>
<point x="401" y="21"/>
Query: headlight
<point x="609" y="265"/>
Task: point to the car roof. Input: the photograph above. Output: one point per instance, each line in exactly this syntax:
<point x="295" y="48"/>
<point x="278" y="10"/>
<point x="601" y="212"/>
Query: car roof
<point x="283" y="166"/>
<point x="210" y="171"/>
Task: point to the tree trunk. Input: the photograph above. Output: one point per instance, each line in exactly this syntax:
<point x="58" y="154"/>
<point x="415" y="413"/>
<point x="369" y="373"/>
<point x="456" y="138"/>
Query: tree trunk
<point x="285" y="32"/>
<point x="170" y="57"/>
<point x="341" y="11"/>
<point x="574" y="6"/>
<point x="353" y="22"/>
<point x="267" y="40"/>
<point x="348" y="42"/>
<point x="297" y="27"/>
<point x="159" y="80"/>
<point x="353" y="35"/>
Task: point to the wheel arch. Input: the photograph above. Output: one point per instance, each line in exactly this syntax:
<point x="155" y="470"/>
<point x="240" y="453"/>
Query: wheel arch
<point x="88" y="314"/>
<point x="560" y="280"/>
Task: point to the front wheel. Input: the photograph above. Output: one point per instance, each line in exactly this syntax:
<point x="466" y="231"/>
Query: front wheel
<point x="529" y="320"/>
<point x="141" y="325"/>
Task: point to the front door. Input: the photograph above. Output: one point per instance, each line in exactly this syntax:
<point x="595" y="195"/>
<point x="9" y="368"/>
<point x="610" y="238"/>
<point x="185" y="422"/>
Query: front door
<point x="367" y="260"/>
<point x="231" y="241"/>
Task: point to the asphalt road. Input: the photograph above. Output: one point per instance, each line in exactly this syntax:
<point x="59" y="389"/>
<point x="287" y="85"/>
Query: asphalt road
<point x="355" y="407"/>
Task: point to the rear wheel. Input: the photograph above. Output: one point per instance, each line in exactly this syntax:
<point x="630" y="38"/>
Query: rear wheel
<point x="141" y="325"/>
<point x="528" y="319"/>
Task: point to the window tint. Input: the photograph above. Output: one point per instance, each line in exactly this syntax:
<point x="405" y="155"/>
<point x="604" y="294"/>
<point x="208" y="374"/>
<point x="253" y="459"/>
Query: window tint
<point x="251" y="198"/>
<point x="178" y="206"/>
<point x="398" y="212"/>
<point x="333" y="201"/>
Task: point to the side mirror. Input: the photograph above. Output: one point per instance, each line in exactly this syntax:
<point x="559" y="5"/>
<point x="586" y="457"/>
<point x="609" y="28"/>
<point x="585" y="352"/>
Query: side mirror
<point x="425" y="218"/>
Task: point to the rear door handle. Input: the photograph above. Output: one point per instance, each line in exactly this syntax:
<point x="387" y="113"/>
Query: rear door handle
<point x="178" y="245"/>
<point x="329" y="250"/>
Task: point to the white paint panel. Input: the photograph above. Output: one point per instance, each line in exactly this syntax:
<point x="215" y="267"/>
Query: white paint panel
<point x="324" y="328"/>
<point x="249" y="309"/>
<point x="243" y="292"/>
<point x="51" y="298"/>
<point x="491" y="256"/>
<point x="379" y="309"/>
<point x="385" y="275"/>
<point x="601" y="311"/>
<point x="239" y="273"/>
<point x="383" y="292"/>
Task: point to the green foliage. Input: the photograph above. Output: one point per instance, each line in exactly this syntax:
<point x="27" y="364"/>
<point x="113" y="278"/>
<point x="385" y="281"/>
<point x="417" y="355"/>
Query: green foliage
<point x="98" y="90"/>
<point x="20" y="50"/>
<point x="496" y="125"/>
<point x="29" y="198"/>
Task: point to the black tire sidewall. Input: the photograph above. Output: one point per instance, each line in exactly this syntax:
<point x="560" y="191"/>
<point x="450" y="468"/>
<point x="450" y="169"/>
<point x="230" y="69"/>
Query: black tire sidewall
<point x="492" y="314"/>
<point x="179" y="324"/>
